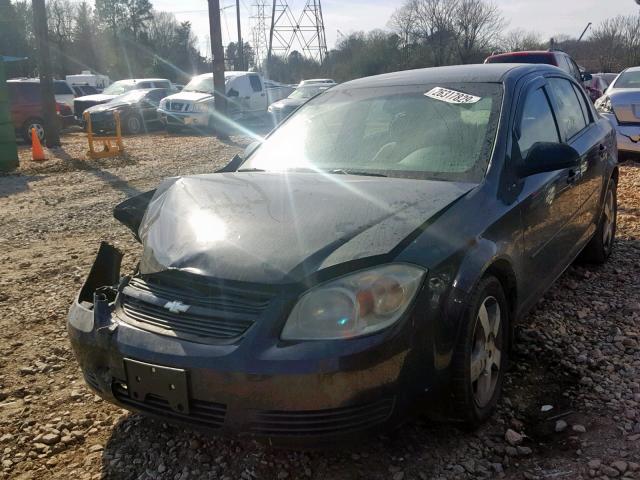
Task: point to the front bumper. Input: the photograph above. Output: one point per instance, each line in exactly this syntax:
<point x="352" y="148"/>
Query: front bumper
<point x="256" y="386"/>
<point x="627" y="136"/>
<point x="179" y="119"/>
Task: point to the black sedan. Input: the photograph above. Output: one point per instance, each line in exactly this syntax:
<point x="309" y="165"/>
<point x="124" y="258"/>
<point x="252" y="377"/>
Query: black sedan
<point x="372" y="254"/>
<point x="137" y="108"/>
<point x="282" y="108"/>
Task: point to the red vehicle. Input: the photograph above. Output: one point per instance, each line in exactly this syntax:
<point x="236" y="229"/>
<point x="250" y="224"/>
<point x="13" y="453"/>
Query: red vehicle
<point x="558" y="58"/>
<point x="25" y="105"/>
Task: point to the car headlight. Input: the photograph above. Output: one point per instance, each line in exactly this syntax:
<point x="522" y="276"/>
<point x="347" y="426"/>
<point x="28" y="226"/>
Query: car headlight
<point x="270" y="109"/>
<point x="200" y="108"/>
<point x="603" y="105"/>
<point x="357" y="304"/>
<point x="163" y="104"/>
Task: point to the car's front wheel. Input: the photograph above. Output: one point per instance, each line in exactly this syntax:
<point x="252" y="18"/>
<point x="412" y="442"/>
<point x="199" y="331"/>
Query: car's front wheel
<point x="480" y="357"/>
<point x="601" y="244"/>
<point x="133" y="124"/>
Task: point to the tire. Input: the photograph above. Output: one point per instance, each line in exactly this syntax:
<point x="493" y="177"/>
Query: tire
<point x="480" y="358"/>
<point x="133" y="124"/>
<point x="600" y="246"/>
<point x="36" y="123"/>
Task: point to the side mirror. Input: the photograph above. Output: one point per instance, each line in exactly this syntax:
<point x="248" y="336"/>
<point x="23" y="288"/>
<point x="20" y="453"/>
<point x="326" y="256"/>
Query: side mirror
<point x="548" y="157"/>
<point x="587" y="77"/>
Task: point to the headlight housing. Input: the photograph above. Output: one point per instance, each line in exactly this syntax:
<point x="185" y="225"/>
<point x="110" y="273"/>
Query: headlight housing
<point x="357" y="304"/>
<point x="163" y="104"/>
<point x="603" y="104"/>
<point x="200" y="108"/>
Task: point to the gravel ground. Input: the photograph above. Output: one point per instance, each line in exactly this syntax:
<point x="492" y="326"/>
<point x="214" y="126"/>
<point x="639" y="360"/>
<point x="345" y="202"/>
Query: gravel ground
<point x="571" y="408"/>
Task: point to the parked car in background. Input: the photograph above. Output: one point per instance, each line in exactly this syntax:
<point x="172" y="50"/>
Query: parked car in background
<point x="118" y="88"/>
<point x="370" y="256"/>
<point x="277" y="91"/>
<point x="194" y="106"/>
<point x="621" y="105"/>
<point x="100" y="82"/>
<point x="25" y="106"/>
<point x="61" y="90"/>
<point x="138" y="111"/>
<point x="82" y="90"/>
<point x="558" y="58"/>
<point x="596" y="86"/>
<point x="608" y="77"/>
<point x="313" y="81"/>
<point x="283" y="108"/>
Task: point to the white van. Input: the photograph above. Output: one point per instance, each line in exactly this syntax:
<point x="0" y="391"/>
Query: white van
<point x="194" y="105"/>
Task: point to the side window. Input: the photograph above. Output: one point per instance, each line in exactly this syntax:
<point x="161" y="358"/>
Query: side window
<point x="570" y="117"/>
<point x="156" y="95"/>
<point x="144" y="85"/>
<point x="61" y="88"/>
<point x="162" y="84"/>
<point x="537" y="123"/>
<point x="583" y="103"/>
<point x="256" y="84"/>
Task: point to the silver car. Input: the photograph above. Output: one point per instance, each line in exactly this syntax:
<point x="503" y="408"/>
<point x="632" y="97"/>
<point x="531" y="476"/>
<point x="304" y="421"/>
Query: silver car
<point x="621" y="105"/>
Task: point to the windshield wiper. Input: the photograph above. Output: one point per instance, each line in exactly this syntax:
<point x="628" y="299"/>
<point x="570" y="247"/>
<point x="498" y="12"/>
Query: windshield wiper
<point x="346" y="171"/>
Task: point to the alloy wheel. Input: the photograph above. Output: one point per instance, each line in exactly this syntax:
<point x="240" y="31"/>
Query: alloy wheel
<point x="608" y="224"/>
<point x="39" y="128"/>
<point x="486" y="354"/>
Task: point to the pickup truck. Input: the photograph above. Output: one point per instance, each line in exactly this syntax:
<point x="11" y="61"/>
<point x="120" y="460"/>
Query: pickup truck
<point x="247" y="96"/>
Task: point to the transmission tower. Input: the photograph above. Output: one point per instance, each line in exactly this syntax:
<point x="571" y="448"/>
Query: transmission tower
<point x="260" y="22"/>
<point x="283" y="31"/>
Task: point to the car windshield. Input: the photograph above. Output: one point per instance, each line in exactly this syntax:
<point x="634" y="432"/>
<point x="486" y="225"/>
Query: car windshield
<point x="302" y="93"/>
<point x="200" y="84"/>
<point x="393" y="131"/>
<point x="119" y="87"/>
<point x="628" y="80"/>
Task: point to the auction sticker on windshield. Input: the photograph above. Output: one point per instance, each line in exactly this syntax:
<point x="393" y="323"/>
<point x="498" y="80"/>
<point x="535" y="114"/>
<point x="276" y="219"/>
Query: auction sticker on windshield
<point x="451" y="96"/>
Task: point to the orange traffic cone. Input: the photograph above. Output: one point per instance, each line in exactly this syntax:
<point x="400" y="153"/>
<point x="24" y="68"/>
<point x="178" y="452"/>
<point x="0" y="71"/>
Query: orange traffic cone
<point x="37" y="154"/>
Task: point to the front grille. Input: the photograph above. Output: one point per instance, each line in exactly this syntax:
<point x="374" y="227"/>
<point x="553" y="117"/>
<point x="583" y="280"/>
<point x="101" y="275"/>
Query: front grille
<point x="322" y="422"/>
<point x="177" y="107"/>
<point x="214" y="313"/>
<point x="209" y="414"/>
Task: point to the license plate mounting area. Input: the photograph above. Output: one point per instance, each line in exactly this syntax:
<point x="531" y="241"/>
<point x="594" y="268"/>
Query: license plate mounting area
<point x="170" y="384"/>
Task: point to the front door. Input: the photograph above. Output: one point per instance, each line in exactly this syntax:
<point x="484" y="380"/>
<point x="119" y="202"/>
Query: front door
<point x="548" y="200"/>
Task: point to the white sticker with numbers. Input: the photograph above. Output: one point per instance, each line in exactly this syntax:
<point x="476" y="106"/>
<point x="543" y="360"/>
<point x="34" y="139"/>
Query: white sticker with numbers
<point x="451" y="96"/>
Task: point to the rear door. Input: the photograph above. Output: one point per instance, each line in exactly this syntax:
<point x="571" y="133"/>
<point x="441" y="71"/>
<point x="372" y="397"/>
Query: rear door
<point x="578" y="130"/>
<point x="549" y="200"/>
<point x="258" y="100"/>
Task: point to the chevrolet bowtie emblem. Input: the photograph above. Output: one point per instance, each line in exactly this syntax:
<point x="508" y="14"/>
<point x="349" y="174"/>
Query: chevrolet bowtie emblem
<point x="176" y="306"/>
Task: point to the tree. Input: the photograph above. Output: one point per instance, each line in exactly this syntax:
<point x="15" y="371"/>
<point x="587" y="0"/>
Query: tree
<point x="84" y="37"/>
<point x="60" y="15"/>
<point x="519" y="40"/>
<point x="233" y="59"/>
<point x="14" y="39"/>
<point x="477" y="25"/>
<point x="137" y="14"/>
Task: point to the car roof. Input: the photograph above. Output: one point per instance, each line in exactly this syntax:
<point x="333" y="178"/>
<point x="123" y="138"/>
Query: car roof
<point x="632" y="69"/>
<point x="476" y="73"/>
<point x="526" y="53"/>
<point x="31" y="80"/>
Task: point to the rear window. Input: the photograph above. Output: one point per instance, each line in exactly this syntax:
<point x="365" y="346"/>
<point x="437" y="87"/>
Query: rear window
<point x="528" y="58"/>
<point x="628" y="80"/>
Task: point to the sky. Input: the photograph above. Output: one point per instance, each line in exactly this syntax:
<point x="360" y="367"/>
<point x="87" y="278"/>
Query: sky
<point x="341" y="17"/>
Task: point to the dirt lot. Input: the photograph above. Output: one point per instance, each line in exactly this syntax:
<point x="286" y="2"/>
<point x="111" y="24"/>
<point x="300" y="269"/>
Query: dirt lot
<point x="579" y="352"/>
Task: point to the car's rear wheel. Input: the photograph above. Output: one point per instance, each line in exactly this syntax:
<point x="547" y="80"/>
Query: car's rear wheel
<point x="33" y="123"/>
<point x="480" y="357"/>
<point x="600" y="246"/>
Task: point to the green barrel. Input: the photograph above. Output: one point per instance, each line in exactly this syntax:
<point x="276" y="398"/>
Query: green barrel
<point x="8" y="149"/>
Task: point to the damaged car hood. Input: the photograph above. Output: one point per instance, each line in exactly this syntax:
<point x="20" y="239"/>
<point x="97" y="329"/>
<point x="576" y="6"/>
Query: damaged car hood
<point x="279" y="228"/>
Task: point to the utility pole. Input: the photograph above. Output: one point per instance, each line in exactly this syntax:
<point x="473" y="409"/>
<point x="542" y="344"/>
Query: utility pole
<point x="240" y="46"/>
<point x="217" y="53"/>
<point x="51" y="126"/>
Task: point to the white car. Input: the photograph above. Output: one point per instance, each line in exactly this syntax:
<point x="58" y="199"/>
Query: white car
<point x="316" y="81"/>
<point x="194" y="105"/>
